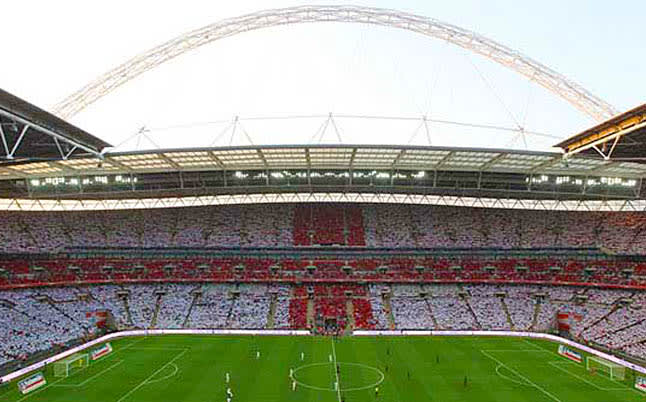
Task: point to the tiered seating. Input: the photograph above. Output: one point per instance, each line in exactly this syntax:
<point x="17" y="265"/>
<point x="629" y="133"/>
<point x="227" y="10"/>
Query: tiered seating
<point x="612" y="273"/>
<point x="363" y="314"/>
<point x="298" y="313"/>
<point x="285" y="225"/>
<point x="231" y="286"/>
<point x="354" y="219"/>
<point x="38" y="318"/>
<point x="331" y="308"/>
<point x="328" y="225"/>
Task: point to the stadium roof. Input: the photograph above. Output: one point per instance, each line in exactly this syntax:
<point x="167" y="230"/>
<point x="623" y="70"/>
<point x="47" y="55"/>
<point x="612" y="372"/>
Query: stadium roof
<point x="621" y="138"/>
<point x="308" y="157"/>
<point x="29" y="133"/>
<point x="493" y="173"/>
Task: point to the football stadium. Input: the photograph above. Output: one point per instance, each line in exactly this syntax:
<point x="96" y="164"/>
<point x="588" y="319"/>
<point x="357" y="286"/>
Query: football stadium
<point x="324" y="270"/>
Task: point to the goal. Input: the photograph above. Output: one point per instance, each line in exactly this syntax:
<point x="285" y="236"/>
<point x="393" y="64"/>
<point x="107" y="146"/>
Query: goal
<point x="65" y="367"/>
<point x="613" y="370"/>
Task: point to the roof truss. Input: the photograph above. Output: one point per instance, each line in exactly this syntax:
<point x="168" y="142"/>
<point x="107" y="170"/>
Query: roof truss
<point x="324" y="157"/>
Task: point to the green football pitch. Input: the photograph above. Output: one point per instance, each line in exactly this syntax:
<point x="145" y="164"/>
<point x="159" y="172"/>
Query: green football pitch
<point x="194" y="369"/>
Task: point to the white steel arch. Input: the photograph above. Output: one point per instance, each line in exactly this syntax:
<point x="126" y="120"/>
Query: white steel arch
<point x="558" y="84"/>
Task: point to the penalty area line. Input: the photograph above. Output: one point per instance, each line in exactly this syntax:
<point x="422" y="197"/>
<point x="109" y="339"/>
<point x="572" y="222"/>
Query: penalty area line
<point x="561" y="359"/>
<point x="556" y="365"/>
<point x="538" y="387"/>
<point x="64" y="378"/>
<point x="91" y="378"/>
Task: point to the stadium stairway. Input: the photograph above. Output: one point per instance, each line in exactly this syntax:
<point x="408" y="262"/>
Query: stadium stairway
<point x="389" y="311"/>
<point x="272" y="311"/>
<point x="54" y="303"/>
<point x="350" y="321"/>
<point x="310" y="313"/>
<point x="430" y="311"/>
<point x="126" y="306"/>
<point x="187" y="319"/>
<point x="598" y="320"/>
<point x="153" y="320"/>
<point x="235" y="300"/>
<point x="621" y="347"/>
<point x="506" y="310"/>
<point x="537" y="312"/>
<point x="639" y="236"/>
<point x="639" y="342"/>
<point x="473" y="313"/>
<point x="609" y="334"/>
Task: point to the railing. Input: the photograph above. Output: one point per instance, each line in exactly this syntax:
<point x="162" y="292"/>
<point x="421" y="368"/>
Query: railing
<point x="334" y="251"/>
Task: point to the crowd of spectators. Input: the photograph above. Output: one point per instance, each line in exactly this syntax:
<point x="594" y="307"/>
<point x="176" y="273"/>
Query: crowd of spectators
<point x="615" y="319"/>
<point x="535" y="270"/>
<point x="35" y="319"/>
<point x="458" y="292"/>
<point x="352" y="225"/>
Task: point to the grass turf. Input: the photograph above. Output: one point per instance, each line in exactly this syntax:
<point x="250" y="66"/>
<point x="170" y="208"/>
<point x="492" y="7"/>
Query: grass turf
<point x="193" y="368"/>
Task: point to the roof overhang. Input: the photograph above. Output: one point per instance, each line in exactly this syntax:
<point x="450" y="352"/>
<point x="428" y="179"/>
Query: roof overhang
<point x="28" y="133"/>
<point x="621" y="138"/>
<point x="346" y="168"/>
<point x="343" y="157"/>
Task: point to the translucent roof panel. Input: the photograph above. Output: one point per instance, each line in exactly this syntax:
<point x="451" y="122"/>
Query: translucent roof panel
<point x="417" y="159"/>
<point x="468" y="160"/>
<point x="328" y="157"/>
<point x="518" y="162"/>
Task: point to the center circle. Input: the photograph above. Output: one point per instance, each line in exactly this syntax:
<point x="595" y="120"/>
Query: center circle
<point x="352" y="376"/>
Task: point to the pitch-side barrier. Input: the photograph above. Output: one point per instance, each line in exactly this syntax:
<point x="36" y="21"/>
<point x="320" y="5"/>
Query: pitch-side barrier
<point x="155" y="332"/>
<point x="149" y="332"/>
<point x="535" y="335"/>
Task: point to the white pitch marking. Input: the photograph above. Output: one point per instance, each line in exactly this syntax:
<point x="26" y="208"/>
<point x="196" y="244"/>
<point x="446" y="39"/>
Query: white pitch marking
<point x="91" y="378"/>
<point x="302" y="384"/>
<point x="555" y="364"/>
<point x="144" y="382"/>
<point x="64" y="378"/>
<point x="101" y="372"/>
<point x="535" y="346"/>
<point x="509" y="378"/>
<point x="513" y="350"/>
<point x="556" y="353"/>
<point x="165" y="377"/>
<point x="338" y="384"/>
<point x="521" y="376"/>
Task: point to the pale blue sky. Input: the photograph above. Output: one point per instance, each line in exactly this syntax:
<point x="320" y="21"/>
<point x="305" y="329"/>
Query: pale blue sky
<point x="316" y="69"/>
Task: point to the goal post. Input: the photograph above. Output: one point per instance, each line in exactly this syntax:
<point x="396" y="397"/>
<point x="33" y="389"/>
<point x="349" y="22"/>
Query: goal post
<point x="613" y="370"/>
<point x="63" y="368"/>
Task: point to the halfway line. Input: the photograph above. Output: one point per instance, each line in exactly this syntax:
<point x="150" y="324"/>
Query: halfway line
<point x="336" y="373"/>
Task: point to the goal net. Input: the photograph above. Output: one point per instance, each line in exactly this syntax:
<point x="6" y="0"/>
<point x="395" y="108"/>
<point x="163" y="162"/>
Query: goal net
<point x="613" y="370"/>
<point x="63" y="368"/>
